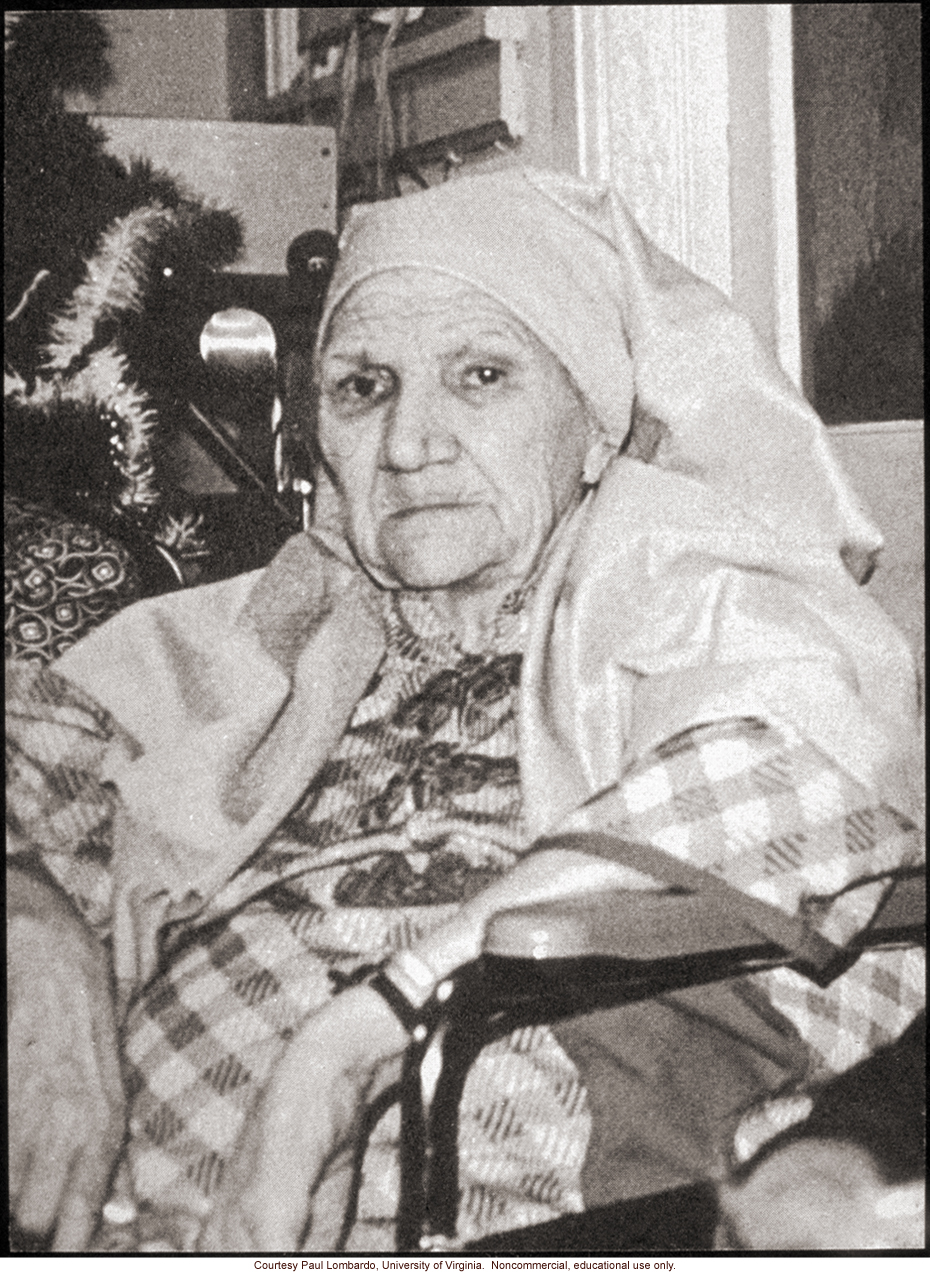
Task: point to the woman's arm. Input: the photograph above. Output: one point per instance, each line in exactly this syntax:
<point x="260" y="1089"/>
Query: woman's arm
<point x="66" y="1103"/>
<point x="289" y="1184"/>
<point x="58" y="808"/>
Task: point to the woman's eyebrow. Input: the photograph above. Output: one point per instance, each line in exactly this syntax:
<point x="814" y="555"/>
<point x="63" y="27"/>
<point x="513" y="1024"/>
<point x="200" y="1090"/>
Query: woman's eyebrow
<point x="481" y="341"/>
<point x="351" y="357"/>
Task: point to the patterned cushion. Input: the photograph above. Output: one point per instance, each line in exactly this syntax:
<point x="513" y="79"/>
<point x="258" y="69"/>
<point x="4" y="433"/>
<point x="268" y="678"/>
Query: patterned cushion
<point x="61" y="578"/>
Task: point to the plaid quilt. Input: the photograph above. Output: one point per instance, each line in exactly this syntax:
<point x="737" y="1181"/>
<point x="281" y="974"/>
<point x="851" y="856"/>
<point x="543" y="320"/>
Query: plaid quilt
<point x="417" y="809"/>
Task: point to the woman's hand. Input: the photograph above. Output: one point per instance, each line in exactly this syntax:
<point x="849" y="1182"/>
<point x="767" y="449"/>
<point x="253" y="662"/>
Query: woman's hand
<point x="820" y="1195"/>
<point x="287" y="1187"/>
<point x="66" y="1104"/>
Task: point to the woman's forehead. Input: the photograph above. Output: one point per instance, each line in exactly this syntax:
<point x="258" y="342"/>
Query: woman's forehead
<point x="405" y="298"/>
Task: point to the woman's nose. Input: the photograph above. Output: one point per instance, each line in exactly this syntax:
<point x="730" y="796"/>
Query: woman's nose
<point x="415" y="434"/>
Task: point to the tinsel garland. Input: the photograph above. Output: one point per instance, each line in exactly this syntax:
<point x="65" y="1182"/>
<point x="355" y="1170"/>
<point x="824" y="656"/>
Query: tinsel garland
<point x="104" y="386"/>
<point x="80" y="372"/>
<point x="99" y="379"/>
<point x="114" y="285"/>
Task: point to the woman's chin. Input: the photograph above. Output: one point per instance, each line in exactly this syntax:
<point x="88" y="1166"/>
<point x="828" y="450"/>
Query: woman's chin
<point x="441" y="549"/>
<point x="431" y="576"/>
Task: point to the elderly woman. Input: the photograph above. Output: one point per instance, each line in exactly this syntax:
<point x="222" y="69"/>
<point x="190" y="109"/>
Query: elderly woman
<point x="581" y="561"/>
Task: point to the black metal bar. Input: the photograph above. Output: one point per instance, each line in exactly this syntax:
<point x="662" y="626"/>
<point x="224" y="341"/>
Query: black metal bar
<point x="411" y="1210"/>
<point x="461" y="1044"/>
<point x="234" y="465"/>
<point x="468" y="141"/>
<point x="498" y="995"/>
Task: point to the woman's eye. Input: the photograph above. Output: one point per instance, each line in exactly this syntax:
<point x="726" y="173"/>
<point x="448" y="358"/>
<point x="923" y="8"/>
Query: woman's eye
<point x="483" y="377"/>
<point x="362" y="388"/>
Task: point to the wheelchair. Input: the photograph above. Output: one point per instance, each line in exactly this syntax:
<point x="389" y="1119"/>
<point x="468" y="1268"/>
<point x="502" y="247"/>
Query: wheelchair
<point x="545" y="963"/>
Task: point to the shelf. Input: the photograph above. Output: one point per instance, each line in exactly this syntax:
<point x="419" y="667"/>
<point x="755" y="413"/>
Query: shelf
<point x="465" y="34"/>
<point x="455" y="86"/>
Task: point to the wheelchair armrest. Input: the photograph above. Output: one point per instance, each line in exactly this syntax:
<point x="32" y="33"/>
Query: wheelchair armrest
<point x="661" y="925"/>
<point x="620" y="924"/>
<point x="903" y="914"/>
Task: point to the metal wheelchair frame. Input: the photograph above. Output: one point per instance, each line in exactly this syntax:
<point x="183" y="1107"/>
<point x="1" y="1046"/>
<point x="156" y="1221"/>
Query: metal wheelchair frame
<point x="502" y="992"/>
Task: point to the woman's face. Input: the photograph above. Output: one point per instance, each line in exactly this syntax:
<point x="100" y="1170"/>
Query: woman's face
<point x="455" y="439"/>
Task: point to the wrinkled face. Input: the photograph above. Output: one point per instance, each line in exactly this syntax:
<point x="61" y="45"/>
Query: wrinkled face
<point x="454" y="437"/>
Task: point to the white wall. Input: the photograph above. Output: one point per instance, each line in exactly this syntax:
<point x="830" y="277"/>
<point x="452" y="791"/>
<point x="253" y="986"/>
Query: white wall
<point x="652" y="117"/>
<point x="167" y="64"/>
<point x="885" y="465"/>
<point x="687" y="109"/>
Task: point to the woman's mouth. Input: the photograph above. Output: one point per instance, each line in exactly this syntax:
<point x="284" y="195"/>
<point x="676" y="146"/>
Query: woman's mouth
<point x="438" y="506"/>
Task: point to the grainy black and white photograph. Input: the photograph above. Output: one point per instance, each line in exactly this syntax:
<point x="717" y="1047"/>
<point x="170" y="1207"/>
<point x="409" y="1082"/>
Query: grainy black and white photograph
<point x="464" y="627"/>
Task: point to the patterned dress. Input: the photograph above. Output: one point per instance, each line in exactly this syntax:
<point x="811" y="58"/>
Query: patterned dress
<point x="416" y="810"/>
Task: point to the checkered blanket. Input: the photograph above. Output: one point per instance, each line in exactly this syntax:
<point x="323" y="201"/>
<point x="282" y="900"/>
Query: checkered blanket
<point x="417" y="809"/>
<point x="772" y="817"/>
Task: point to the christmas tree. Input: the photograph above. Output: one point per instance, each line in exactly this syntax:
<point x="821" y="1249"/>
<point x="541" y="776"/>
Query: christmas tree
<point x="107" y="273"/>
